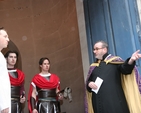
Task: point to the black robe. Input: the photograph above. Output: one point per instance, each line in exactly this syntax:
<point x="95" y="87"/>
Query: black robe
<point x="110" y="98"/>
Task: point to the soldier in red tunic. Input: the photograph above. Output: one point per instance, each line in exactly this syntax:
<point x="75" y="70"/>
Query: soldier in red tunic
<point x="42" y="97"/>
<point x="17" y="82"/>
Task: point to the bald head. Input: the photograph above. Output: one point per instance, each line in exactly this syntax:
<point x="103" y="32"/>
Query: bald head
<point x="3" y="39"/>
<point x="100" y="48"/>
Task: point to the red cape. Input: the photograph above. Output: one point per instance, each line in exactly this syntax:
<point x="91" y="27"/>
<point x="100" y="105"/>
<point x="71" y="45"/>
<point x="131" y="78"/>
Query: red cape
<point x="41" y="82"/>
<point x="17" y="81"/>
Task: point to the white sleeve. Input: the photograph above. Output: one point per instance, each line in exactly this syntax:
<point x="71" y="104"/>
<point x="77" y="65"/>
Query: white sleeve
<point x="34" y="87"/>
<point x="5" y="89"/>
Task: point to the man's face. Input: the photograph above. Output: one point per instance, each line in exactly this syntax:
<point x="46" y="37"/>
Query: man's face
<point x="98" y="50"/>
<point x="12" y="59"/>
<point x="3" y="39"/>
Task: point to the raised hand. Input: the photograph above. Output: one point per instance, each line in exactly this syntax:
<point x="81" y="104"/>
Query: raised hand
<point x="135" y="56"/>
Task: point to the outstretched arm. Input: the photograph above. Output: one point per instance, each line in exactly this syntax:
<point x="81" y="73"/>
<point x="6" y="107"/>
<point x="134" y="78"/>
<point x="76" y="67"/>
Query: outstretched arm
<point x="135" y="56"/>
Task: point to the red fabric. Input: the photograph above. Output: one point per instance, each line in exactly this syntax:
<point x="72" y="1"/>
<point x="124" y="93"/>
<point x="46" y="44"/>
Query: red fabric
<point x="17" y="81"/>
<point x="29" y="95"/>
<point x="41" y="82"/>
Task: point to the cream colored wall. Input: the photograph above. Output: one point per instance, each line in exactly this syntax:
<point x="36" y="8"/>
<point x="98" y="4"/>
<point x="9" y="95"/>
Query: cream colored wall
<point x="82" y="37"/>
<point x="139" y="8"/>
<point x="47" y="28"/>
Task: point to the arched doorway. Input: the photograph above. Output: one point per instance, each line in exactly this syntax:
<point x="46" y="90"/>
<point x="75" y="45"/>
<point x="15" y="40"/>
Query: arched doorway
<point x="12" y="46"/>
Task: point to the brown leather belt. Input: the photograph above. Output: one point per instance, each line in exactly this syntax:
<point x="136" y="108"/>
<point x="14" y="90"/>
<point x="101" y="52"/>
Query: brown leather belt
<point x="47" y="99"/>
<point x="47" y="93"/>
<point x="16" y="99"/>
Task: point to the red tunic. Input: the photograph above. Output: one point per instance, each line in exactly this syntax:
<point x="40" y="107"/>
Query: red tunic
<point x="43" y="83"/>
<point x="17" y="81"/>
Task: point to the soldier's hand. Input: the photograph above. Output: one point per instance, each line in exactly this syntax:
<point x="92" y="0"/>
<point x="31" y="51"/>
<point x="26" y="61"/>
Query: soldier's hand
<point x="22" y="99"/>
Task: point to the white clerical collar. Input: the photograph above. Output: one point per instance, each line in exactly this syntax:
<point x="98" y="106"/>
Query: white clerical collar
<point x="13" y="70"/>
<point x="45" y="75"/>
<point x="108" y="56"/>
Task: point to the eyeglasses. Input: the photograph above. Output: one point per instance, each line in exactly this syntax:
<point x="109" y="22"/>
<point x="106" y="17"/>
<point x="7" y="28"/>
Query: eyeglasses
<point x="96" y="49"/>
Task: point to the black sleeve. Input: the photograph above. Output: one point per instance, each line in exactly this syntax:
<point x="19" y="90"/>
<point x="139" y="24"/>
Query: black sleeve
<point x="89" y="80"/>
<point x="126" y="68"/>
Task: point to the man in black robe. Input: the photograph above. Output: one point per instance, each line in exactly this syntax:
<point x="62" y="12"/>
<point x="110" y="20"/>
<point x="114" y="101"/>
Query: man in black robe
<point x="110" y="98"/>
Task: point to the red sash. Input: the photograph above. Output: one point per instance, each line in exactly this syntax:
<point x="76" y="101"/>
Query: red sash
<point x="43" y="83"/>
<point x="17" y="81"/>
